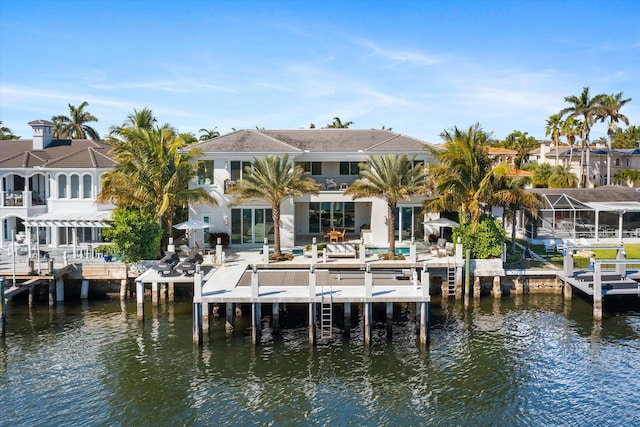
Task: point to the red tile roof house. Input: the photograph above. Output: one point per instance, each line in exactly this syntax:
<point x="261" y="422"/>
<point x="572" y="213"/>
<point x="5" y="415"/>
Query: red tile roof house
<point x="49" y="187"/>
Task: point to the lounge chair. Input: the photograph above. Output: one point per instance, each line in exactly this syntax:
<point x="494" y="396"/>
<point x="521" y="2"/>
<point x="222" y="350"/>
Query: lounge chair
<point x="550" y="246"/>
<point x="166" y="264"/>
<point x="188" y="266"/>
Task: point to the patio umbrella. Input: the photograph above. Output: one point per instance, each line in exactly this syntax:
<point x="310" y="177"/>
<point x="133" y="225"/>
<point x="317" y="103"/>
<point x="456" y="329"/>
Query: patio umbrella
<point x="192" y="224"/>
<point x="441" y="222"/>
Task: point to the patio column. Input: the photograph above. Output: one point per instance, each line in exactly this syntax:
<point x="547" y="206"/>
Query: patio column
<point x="620" y="224"/>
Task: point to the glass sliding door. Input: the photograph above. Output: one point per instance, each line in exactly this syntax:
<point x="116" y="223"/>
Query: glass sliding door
<point x="251" y="226"/>
<point x="409" y="223"/>
<point x="326" y="215"/>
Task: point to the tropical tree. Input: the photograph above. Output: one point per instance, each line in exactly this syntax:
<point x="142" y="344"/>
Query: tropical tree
<point x="464" y="177"/>
<point x="611" y="105"/>
<point x="392" y="178"/>
<point x="512" y="196"/>
<point x="75" y="125"/>
<point x="571" y="129"/>
<point x="188" y="138"/>
<point x="541" y="174"/>
<point x="627" y="176"/>
<point x="562" y="177"/>
<point x="628" y="138"/>
<point x="152" y="174"/>
<point x="59" y="127"/>
<point x="588" y="108"/>
<point x="273" y="179"/>
<point x="206" y="134"/>
<point x="6" y="133"/>
<point x="138" y="119"/>
<point x="554" y="129"/>
<point x="337" y="124"/>
<point x="519" y="141"/>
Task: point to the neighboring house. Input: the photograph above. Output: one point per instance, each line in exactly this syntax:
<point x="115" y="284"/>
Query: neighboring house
<point x="607" y="213"/>
<point x="49" y="187"/>
<point x="621" y="158"/>
<point x="502" y="155"/>
<point x="331" y="156"/>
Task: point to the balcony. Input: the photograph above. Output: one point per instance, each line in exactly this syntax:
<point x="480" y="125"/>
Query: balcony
<point x="18" y="198"/>
<point x="339" y="183"/>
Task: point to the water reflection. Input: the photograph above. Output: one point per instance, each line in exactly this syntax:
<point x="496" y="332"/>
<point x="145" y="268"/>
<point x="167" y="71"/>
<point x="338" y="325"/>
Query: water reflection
<point x="510" y="361"/>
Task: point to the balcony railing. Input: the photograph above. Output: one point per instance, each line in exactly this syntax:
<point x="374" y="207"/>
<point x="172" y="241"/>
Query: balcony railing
<point x="16" y="198"/>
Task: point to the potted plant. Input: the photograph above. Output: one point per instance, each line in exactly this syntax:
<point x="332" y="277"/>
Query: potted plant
<point x="107" y="252"/>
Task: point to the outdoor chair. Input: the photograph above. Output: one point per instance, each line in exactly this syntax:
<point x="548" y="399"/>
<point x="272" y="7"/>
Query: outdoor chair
<point x="329" y="184"/>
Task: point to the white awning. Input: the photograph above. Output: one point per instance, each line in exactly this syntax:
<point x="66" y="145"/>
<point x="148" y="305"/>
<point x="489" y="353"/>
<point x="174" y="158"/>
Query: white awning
<point x="98" y="219"/>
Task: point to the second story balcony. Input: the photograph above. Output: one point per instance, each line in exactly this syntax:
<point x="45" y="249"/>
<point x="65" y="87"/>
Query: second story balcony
<point x="13" y="198"/>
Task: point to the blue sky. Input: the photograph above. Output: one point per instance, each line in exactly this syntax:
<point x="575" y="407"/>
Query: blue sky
<point x="417" y="67"/>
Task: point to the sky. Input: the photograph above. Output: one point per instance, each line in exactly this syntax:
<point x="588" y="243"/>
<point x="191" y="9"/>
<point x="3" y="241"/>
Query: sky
<point x="418" y="67"/>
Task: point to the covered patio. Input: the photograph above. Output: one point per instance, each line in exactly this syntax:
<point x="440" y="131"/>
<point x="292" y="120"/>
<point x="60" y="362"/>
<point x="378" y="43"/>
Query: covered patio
<point x="600" y="214"/>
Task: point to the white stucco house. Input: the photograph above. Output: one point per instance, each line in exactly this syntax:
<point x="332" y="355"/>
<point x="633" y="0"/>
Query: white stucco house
<point x="48" y="189"/>
<point x="331" y="156"/>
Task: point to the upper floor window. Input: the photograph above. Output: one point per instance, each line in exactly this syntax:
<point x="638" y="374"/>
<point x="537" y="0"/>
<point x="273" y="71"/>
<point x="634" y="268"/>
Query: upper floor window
<point x="349" y="168"/>
<point x="62" y="186"/>
<point x="205" y="172"/>
<point x="628" y="162"/>
<point x="314" y="168"/>
<point x="75" y="187"/>
<point x="237" y="169"/>
<point x="87" y="187"/>
<point x="618" y="162"/>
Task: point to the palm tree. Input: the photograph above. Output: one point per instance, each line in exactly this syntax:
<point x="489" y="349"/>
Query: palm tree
<point x="59" y="127"/>
<point x="337" y="124"/>
<point x="209" y="133"/>
<point x="140" y="119"/>
<point x="541" y="174"/>
<point x="6" y="133"/>
<point x="589" y="108"/>
<point x="513" y="197"/>
<point x="554" y="128"/>
<point x="273" y="179"/>
<point x="464" y="178"/>
<point x="571" y="128"/>
<point x="611" y="105"/>
<point x="393" y="178"/>
<point x="152" y="173"/>
<point x="628" y="138"/>
<point x="75" y="126"/>
<point x="562" y="177"/>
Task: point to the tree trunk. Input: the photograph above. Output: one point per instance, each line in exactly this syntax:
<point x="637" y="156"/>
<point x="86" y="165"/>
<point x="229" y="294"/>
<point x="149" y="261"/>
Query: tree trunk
<point x="276" y="231"/>
<point x="391" y="217"/>
<point x="513" y="232"/>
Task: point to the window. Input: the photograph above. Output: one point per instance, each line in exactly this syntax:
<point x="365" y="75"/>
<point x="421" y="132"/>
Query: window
<point x="237" y="169"/>
<point x="62" y="186"/>
<point x="618" y="162"/>
<point x="87" y="188"/>
<point x="314" y="168"/>
<point x="349" y="168"/>
<point x="75" y="187"/>
<point x="205" y="172"/>
<point x="325" y="215"/>
<point x="628" y="162"/>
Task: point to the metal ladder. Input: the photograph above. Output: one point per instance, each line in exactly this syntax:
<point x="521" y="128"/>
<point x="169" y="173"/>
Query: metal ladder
<point x="326" y="316"/>
<point x="451" y="279"/>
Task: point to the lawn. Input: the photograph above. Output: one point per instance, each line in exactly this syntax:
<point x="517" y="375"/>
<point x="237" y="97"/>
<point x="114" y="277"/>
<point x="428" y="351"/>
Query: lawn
<point x="633" y="252"/>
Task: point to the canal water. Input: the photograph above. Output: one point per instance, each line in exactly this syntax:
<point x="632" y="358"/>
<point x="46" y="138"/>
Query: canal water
<point x="531" y="360"/>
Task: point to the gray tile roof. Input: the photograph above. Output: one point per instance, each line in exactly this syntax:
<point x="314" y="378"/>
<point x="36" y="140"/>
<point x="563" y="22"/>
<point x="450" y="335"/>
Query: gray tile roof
<point x="77" y="153"/>
<point x="313" y="140"/>
<point x="604" y="194"/>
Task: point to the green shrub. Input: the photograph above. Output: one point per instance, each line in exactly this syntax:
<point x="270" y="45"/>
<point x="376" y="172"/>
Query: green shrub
<point x="485" y="242"/>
